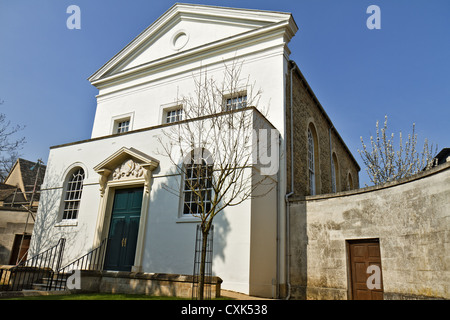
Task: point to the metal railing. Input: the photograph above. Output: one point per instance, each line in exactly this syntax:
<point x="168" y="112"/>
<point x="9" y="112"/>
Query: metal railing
<point x="44" y="270"/>
<point x="33" y="270"/>
<point x="202" y="283"/>
<point x="93" y="260"/>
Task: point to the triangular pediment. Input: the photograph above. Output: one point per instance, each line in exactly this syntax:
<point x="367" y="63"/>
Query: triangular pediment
<point x="126" y="164"/>
<point x="119" y="157"/>
<point x="185" y="27"/>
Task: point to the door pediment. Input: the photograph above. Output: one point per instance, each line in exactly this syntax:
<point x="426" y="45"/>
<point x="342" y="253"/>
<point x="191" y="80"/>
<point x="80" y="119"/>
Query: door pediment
<point x="126" y="165"/>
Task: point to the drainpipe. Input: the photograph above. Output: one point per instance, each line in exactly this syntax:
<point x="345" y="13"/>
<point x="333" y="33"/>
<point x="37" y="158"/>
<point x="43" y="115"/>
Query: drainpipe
<point x="288" y="195"/>
<point x="277" y="293"/>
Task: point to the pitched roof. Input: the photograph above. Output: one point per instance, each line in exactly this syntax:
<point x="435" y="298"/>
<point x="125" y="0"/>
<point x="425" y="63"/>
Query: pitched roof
<point x="30" y="172"/>
<point x="157" y="44"/>
<point x="24" y="175"/>
<point x="442" y="156"/>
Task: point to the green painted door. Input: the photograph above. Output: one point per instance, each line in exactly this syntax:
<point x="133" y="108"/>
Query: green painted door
<point x="123" y="230"/>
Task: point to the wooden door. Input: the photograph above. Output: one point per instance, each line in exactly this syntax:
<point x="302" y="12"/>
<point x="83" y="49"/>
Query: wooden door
<point x="365" y="254"/>
<point x="123" y="230"/>
<point x="20" y="247"/>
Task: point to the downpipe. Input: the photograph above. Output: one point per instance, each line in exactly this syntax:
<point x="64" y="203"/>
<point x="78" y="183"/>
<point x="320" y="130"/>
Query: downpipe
<point x="288" y="195"/>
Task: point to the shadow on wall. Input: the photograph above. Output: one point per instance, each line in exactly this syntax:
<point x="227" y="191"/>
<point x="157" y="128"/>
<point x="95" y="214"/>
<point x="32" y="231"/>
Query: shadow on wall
<point x="45" y="234"/>
<point x="221" y="230"/>
<point x="170" y="243"/>
<point x="169" y="246"/>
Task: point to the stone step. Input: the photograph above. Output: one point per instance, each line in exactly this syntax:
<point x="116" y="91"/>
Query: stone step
<point x="58" y="283"/>
<point x="43" y="287"/>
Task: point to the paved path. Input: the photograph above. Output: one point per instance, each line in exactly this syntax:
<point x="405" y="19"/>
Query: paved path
<point x="239" y="296"/>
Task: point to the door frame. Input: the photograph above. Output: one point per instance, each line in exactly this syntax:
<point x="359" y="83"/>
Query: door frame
<point x="107" y="204"/>
<point x="126" y="168"/>
<point x="108" y="223"/>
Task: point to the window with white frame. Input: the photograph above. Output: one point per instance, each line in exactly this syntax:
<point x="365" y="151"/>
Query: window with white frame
<point x="311" y="167"/>
<point x="198" y="189"/>
<point x="238" y="102"/>
<point x="174" y="115"/>
<point x="123" y="126"/>
<point x="72" y="196"/>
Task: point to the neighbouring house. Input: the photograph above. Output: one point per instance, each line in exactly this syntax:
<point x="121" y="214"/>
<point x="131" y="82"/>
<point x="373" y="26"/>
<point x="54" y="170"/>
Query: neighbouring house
<point x="19" y="199"/>
<point x="442" y="157"/>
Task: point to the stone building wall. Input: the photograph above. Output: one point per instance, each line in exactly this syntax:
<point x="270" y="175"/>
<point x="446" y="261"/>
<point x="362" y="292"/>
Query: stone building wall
<point x="12" y="221"/>
<point x="411" y="220"/>
<point x="307" y="110"/>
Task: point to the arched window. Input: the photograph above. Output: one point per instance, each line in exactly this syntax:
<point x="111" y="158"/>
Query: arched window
<point x="334" y="173"/>
<point x="72" y="196"/>
<point x="350" y="182"/>
<point x="311" y="162"/>
<point x="198" y="177"/>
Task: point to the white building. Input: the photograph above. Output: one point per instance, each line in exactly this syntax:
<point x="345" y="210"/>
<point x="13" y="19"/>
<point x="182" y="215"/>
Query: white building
<point x="137" y="100"/>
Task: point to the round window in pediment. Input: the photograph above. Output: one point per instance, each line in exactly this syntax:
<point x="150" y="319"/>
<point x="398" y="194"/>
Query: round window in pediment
<point x="180" y="39"/>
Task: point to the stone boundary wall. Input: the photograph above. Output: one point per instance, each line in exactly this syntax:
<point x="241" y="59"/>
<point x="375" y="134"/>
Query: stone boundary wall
<point x="156" y="284"/>
<point x="411" y="219"/>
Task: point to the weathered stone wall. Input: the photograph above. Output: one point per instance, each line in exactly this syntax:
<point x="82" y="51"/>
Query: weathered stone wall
<point x="411" y="219"/>
<point x="173" y="285"/>
<point x="307" y="110"/>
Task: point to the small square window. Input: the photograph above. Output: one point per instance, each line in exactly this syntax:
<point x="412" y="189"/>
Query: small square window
<point x="174" y="115"/>
<point x="122" y="123"/>
<point x="234" y="103"/>
<point x="123" y="126"/>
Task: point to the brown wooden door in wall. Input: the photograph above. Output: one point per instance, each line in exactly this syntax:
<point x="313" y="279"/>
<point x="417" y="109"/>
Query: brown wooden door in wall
<point x="364" y="254"/>
<point x="20" y="247"/>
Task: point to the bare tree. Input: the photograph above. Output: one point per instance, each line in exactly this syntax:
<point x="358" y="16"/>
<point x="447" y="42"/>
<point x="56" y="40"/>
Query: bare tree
<point x="9" y="146"/>
<point x="384" y="163"/>
<point x="213" y="149"/>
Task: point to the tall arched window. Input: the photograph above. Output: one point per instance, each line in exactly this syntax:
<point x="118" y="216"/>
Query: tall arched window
<point x="311" y="163"/>
<point x="350" y="182"/>
<point x="334" y="173"/>
<point x="198" y="183"/>
<point x="72" y="196"/>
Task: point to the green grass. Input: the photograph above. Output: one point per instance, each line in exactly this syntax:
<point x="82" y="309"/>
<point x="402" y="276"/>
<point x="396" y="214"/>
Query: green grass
<point x="95" y="296"/>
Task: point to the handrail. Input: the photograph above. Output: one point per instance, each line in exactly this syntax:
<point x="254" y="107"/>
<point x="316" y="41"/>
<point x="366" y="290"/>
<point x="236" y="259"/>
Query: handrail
<point x="47" y="264"/>
<point x="24" y="274"/>
<point x="93" y="260"/>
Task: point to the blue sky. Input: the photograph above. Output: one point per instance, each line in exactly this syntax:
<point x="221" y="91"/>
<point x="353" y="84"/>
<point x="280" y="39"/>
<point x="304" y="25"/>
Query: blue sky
<point x="358" y="75"/>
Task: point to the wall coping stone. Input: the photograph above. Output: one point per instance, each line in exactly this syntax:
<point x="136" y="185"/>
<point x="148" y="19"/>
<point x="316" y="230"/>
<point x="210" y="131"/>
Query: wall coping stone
<point x="146" y="276"/>
<point x="421" y="175"/>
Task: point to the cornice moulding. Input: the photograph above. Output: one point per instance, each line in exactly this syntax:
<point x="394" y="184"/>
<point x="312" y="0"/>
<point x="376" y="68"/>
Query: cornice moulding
<point x="161" y="72"/>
